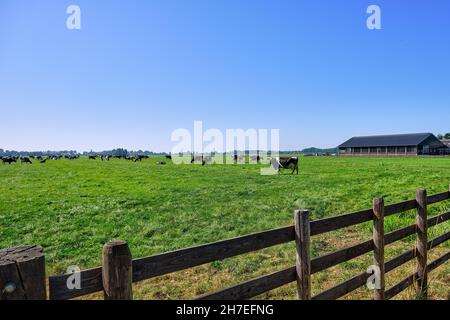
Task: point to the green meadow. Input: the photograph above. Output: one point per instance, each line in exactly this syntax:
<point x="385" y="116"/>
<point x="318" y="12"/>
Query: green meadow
<point x="72" y="208"/>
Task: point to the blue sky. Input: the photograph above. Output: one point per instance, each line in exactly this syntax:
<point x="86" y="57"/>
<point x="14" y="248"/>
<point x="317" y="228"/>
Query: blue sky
<point x="137" y="70"/>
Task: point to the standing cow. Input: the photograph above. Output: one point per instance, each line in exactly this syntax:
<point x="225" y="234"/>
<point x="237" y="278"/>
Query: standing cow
<point x="8" y="160"/>
<point x="25" y="160"/>
<point x="285" y="163"/>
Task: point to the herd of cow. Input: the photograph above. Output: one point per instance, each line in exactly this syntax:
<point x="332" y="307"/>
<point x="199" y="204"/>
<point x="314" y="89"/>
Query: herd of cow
<point x="277" y="163"/>
<point x="41" y="159"/>
<point x="129" y="158"/>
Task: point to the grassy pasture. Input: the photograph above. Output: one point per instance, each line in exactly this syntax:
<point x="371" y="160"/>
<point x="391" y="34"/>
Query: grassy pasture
<point x="72" y="208"/>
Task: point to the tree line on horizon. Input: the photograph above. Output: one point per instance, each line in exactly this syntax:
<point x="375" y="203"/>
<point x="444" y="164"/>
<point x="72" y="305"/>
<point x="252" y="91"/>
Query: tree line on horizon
<point x="444" y="136"/>
<point x="119" y="152"/>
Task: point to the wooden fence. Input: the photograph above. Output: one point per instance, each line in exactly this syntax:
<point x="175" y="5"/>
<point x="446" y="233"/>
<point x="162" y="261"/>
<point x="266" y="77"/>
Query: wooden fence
<point x="22" y="269"/>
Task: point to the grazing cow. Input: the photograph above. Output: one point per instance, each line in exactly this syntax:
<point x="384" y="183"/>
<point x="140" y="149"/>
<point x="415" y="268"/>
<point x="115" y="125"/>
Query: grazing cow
<point x="92" y="157"/>
<point x="168" y="157"/>
<point x="161" y="163"/>
<point x="25" y="160"/>
<point x="285" y="163"/>
<point x="8" y="160"/>
<point x="42" y="160"/>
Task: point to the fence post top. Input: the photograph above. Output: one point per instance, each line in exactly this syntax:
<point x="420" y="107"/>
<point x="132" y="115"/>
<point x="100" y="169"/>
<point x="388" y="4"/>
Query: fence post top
<point x="301" y="215"/>
<point x="115" y="243"/>
<point x="117" y="247"/>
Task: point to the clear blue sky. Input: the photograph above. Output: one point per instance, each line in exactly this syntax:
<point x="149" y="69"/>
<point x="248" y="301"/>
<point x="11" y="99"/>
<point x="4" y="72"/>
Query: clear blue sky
<point x="137" y="70"/>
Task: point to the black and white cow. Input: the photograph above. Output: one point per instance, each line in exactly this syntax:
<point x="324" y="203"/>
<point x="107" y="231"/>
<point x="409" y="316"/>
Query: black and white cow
<point x="279" y="163"/>
<point x="25" y="160"/>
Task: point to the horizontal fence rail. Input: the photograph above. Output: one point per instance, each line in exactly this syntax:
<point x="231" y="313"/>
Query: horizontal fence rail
<point x="288" y="275"/>
<point x="93" y="280"/>
<point x="358" y="281"/>
<point x="404" y="284"/>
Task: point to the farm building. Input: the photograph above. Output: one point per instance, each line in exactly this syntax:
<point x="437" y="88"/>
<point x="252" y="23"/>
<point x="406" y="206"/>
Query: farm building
<point x="394" y="145"/>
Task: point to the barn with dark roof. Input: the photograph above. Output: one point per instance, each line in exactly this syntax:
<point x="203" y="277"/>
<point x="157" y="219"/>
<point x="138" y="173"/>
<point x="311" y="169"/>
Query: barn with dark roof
<point x="394" y="145"/>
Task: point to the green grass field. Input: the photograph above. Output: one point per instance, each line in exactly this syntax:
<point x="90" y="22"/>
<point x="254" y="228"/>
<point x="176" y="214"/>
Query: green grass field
<point x="72" y="208"/>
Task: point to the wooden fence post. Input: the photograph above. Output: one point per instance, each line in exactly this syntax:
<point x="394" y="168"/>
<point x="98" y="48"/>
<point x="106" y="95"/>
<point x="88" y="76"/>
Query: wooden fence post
<point x="117" y="271"/>
<point x="378" y="246"/>
<point x="422" y="239"/>
<point x="22" y="273"/>
<point x="303" y="259"/>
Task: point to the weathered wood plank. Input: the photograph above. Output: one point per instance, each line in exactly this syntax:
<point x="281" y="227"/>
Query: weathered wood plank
<point x="410" y="230"/>
<point x="399" y="234"/>
<point x="356" y="282"/>
<point x="22" y="273"/>
<point x="149" y="267"/>
<point x="438" y="197"/>
<point x="439" y="261"/>
<point x="343" y="255"/>
<point x="438" y="240"/>
<point x="10" y="287"/>
<point x="347" y="220"/>
<point x="117" y="271"/>
<point x="399" y="287"/>
<point x="438" y="219"/>
<point x="408" y="281"/>
<point x="422" y="235"/>
<point x="91" y="281"/>
<point x="254" y="287"/>
<point x="335" y="223"/>
<point x="359" y="280"/>
<point x="334" y="258"/>
<point x="378" y="247"/>
<point x="399" y="207"/>
<point x="303" y="257"/>
<point x="343" y="288"/>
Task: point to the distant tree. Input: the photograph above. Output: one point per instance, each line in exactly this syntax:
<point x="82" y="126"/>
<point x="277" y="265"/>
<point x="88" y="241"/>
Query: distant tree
<point x="440" y="136"/>
<point x="119" y="152"/>
<point x="447" y="136"/>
